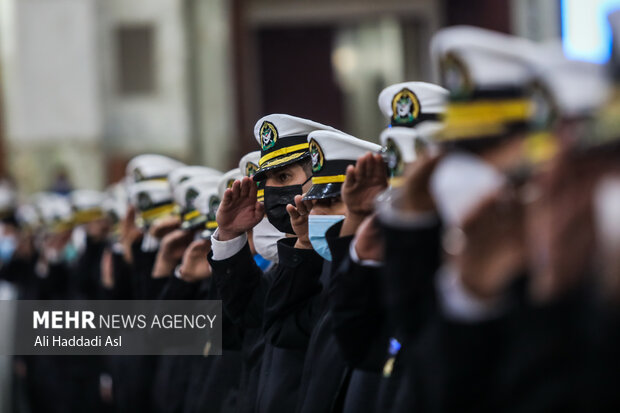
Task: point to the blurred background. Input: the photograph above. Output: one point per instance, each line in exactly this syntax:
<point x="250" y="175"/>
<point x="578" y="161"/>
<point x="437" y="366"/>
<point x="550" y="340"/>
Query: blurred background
<point x="87" y="84"/>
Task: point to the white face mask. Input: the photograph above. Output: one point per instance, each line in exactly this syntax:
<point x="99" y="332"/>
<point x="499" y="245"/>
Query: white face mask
<point x="459" y="183"/>
<point x="265" y="237"/>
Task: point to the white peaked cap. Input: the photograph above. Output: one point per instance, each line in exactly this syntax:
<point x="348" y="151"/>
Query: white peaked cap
<point x="404" y="139"/>
<point x="53" y="208"/>
<point x="491" y="59"/>
<point x="282" y="139"/>
<point x="399" y="144"/>
<point x="577" y="88"/>
<point x="191" y="187"/>
<point x="428" y="130"/>
<point x="227" y="180"/>
<point x="340" y="146"/>
<point x="288" y="126"/>
<point x="157" y="192"/>
<point x="28" y="215"/>
<point x="150" y="166"/>
<point x="116" y="199"/>
<point x="207" y="201"/>
<point x="84" y="199"/>
<point x="183" y="173"/>
<point x="248" y="164"/>
<point x="428" y="99"/>
<point x="331" y="153"/>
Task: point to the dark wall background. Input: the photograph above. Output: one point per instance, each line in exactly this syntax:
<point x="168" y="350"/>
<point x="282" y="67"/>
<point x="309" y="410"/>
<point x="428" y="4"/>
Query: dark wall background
<point x="490" y="14"/>
<point x="296" y="74"/>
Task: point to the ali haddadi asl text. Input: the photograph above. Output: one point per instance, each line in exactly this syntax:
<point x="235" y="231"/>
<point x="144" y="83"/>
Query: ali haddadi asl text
<point x="77" y="341"/>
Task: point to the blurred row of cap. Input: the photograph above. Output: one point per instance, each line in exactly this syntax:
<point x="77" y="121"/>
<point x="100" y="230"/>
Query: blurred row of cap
<point x="493" y="85"/>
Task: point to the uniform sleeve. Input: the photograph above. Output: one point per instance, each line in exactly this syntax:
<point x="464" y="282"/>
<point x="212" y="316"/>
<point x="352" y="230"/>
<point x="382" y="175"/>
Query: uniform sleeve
<point x="242" y="287"/>
<point x="358" y="316"/>
<point x="121" y="272"/>
<point x="412" y="258"/>
<point x="292" y="303"/>
<point x="177" y="289"/>
<point x="460" y="365"/>
<point x="147" y="287"/>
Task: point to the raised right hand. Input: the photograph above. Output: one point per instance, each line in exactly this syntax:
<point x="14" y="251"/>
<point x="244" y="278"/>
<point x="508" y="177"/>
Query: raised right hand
<point x="239" y="210"/>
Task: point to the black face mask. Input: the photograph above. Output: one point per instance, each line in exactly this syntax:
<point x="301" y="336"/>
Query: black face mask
<point x="276" y="200"/>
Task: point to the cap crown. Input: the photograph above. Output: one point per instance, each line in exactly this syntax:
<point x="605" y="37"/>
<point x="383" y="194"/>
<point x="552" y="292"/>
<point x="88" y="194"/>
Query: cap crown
<point x="151" y="166"/>
<point x="409" y="103"/>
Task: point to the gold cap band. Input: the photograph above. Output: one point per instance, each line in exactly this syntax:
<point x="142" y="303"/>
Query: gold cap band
<point x="283" y="151"/>
<point x="328" y="179"/>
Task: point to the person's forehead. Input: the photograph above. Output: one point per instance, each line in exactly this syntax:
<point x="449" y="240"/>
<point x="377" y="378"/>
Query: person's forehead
<point x="287" y="168"/>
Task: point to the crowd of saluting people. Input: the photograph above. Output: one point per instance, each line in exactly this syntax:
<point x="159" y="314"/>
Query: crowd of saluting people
<point x="468" y="263"/>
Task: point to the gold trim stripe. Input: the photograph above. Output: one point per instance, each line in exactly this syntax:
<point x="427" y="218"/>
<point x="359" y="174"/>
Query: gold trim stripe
<point x="191" y="215"/>
<point x="540" y="147"/>
<point x="88" y="215"/>
<point x="328" y="179"/>
<point x="155" y="212"/>
<point x="62" y="226"/>
<point x="211" y="225"/>
<point x="465" y="120"/>
<point x="283" y="151"/>
<point x="280" y="161"/>
<point x="396" y="181"/>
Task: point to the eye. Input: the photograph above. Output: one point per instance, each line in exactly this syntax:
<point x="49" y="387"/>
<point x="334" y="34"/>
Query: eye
<point x="283" y="176"/>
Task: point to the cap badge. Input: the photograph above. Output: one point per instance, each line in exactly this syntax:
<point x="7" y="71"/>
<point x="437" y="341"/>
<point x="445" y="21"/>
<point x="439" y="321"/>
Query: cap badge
<point x="455" y="77"/>
<point x="144" y="201"/>
<point x="542" y="114"/>
<point x="230" y="183"/>
<point x="316" y="155"/>
<point x="405" y="107"/>
<point x="394" y="158"/>
<point x="137" y="175"/>
<point x="214" y="203"/>
<point x="250" y="169"/>
<point x="190" y="197"/>
<point x="268" y="135"/>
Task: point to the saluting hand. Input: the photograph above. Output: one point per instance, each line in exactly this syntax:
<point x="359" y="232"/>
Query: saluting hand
<point x="195" y="265"/>
<point x="170" y="252"/>
<point x="164" y="226"/>
<point x="368" y="240"/>
<point x="493" y="248"/>
<point x="299" y="220"/>
<point x="416" y="194"/>
<point x="239" y="210"/>
<point x="362" y="184"/>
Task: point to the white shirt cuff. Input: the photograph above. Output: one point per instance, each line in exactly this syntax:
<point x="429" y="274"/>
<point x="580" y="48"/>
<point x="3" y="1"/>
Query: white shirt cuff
<point x="459" y="304"/>
<point x="223" y="250"/>
<point x="117" y="248"/>
<point x="177" y="272"/>
<point x="149" y="243"/>
<point x="390" y="214"/>
<point x="356" y="259"/>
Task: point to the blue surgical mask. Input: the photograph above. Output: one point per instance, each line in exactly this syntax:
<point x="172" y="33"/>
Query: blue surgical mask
<point x="70" y="253"/>
<point x="317" y="227"/>
<point x="8" y="245"/>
